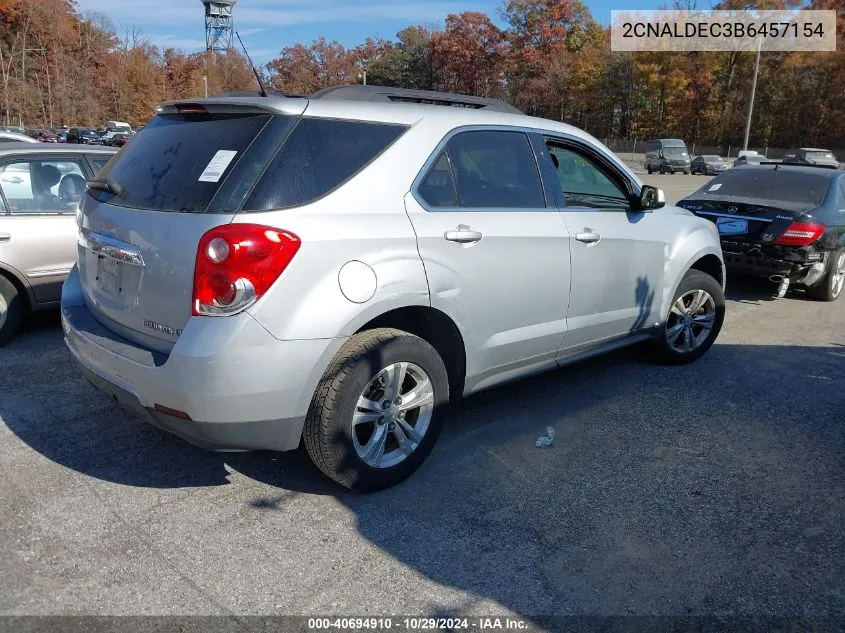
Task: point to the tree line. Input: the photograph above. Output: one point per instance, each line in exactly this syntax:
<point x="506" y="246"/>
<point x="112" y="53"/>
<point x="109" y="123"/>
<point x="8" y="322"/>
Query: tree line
<point x="550" y="58"/>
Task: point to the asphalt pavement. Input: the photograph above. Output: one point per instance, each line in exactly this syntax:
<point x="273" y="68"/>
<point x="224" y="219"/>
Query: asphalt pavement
<point x="714" y="488"/>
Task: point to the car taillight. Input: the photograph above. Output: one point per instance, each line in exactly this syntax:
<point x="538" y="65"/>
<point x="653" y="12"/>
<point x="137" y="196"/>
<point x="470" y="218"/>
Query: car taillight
<point x="236" y="264"/>
<point x="801" y="234"/>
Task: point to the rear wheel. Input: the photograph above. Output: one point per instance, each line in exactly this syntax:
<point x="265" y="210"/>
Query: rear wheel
<point x="694" y="320"/>
<point x="378" y="411"/>
<point x="649" y="169"/>
<point x="11" y="310"/>
<point x="830" y="287"/>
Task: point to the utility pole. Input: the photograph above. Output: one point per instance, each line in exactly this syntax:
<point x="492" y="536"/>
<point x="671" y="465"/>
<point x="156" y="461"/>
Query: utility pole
<point x="363" y="76"/>
<point x="205" y="83"/>
<point x="753" y="92"/>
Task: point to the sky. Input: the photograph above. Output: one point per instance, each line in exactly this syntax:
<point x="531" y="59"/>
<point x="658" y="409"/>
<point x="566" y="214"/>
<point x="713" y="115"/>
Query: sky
<point x="267" y="26"/>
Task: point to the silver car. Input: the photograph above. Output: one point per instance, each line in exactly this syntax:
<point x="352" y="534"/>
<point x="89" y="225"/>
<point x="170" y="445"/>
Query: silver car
<point x="41" y="186"/>
<point x="257" y="271"/>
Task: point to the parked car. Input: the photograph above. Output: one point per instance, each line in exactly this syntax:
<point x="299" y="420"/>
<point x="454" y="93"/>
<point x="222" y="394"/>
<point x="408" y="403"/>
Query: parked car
<point x="41" y="187"/>
<point x="118" y="126"/>
<point x="748" y="157"/>
<point x="423" y="254"/>
<point x="709" y="165"/>
<point x="44" y="136"/>
<point x="813" y="156"/>
<point x="118" y="140"/>
<point x="62" y="134"/>
<point x="782" y="222"/>
<point x="83" y="136"/>
<point x="14" y="137"/>
<point x="667" y="155"/>
<point x="12" y="128"/>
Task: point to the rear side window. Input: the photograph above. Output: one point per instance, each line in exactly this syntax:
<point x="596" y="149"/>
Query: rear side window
<point x="491" y="169"/>
<point x="179" y="161"/>
<point x="318" y="157"/>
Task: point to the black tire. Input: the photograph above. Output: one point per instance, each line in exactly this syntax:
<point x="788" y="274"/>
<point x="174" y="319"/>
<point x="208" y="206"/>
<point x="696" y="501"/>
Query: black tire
<point x="662" y="170"/>
<point x="826" y="289"/>
<point x="693" y="280"/>
<point x="13" y="311"/>
<point x="686" y="173"/>
<point x="649" y="169"/>
<point x="328" y="427"/>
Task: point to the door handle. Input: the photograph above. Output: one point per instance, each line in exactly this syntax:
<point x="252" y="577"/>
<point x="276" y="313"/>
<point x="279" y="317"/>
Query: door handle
<point x="5" y="237"/>
<point x="588" y="236"/>
<point x="463" y="234"/>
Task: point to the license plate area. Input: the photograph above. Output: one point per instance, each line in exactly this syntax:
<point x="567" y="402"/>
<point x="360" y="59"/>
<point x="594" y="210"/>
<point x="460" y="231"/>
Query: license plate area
<point x="109" y="276"/>
<point x="732" y="226"/>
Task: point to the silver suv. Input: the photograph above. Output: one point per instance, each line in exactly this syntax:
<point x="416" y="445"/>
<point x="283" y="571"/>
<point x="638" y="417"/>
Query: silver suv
<point x="256" y="271"/>
<point x="40" y="187"/>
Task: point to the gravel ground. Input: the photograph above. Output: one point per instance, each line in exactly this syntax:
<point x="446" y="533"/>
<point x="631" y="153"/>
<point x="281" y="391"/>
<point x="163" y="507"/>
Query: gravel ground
<point x="715" y="488"/>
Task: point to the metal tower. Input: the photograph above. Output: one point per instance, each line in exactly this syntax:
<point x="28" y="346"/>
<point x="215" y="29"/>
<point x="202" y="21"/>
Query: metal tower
<point x="219" y="25"/>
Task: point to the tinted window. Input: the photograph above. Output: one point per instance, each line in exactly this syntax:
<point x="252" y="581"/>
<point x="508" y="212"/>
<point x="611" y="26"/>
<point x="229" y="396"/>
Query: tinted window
<point x="584" y="182"/>
<point x="793" y="189"/>
<point x="319" y="156"/>
<point x="42" y="186"/>
<point x="98" y="162"/>
<point x="438" y="189"/>
<point x="179" y="161"/>
<point x="495" y="170"/>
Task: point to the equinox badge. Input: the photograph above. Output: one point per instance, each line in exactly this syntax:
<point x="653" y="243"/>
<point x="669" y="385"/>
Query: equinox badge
<point x="158" y="327"/>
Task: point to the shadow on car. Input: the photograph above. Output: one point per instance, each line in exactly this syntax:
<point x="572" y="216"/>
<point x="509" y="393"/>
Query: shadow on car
<point x="710" y="488"/>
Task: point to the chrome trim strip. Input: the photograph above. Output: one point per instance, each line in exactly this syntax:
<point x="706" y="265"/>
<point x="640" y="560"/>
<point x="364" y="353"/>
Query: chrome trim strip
<point x="105" y="246"/>
<point x="731" y="215"/>
<point x="49" y="273"/>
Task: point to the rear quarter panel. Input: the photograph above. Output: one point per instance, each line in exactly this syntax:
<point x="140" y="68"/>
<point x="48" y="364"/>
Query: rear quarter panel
<point x="362" y="221"/>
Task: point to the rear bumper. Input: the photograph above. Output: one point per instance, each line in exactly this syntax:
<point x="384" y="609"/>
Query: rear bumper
<point x="242" y="388"/>
<point x="798" y="266"/>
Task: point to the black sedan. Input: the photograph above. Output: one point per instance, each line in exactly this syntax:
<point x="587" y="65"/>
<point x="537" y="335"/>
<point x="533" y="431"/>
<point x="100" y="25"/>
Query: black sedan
<point x="709" y="165"/>
<point x="782" y="222"/>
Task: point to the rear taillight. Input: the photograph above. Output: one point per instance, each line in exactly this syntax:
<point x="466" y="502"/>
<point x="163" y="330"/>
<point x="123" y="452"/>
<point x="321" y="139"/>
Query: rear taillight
<point x="801" y="234"/>
<point x="236" y="264"/>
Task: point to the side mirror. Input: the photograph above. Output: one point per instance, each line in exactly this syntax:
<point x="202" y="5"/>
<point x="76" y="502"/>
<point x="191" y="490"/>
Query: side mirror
<point x="651" y="198"/>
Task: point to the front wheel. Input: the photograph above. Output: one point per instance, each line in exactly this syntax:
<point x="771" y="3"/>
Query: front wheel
<point x="694" y="320"/>
<point x="378" y="411"/>
<point x="830" y="287"/>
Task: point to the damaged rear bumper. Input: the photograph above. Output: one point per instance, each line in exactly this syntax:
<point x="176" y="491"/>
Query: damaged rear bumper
<point x="800" y="265"/>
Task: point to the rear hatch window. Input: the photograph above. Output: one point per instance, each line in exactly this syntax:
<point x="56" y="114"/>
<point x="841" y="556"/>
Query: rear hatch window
<point x="781" y="188"/>
<point x="179" y="161"/>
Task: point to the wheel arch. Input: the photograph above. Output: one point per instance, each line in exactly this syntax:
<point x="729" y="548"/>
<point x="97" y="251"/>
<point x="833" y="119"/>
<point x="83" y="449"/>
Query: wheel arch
<point x="699" y="251"/>
<point x="435" y="327"/>
<point x="23" y="288"/>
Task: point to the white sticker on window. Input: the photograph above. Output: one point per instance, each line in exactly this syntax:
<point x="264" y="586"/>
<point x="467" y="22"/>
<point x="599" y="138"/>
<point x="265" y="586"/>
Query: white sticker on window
<point x="217" y="167"/>
<point x="715" y="187"/>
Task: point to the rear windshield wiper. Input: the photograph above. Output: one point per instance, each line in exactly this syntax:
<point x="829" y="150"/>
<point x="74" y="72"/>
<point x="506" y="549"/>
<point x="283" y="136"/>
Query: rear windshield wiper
<point x="105" y="184"/>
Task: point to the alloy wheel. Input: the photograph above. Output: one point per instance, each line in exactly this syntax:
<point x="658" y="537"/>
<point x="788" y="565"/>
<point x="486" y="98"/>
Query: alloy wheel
<point x="690" y="321"/>
<point x="837" y="277"/>
<point x="392" y="415"/>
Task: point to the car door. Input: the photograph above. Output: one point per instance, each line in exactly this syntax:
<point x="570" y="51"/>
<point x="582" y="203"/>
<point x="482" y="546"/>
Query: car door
<point x="618" y="253"/>
<point x="495" y="250"/>
<point x="38" y="230"/>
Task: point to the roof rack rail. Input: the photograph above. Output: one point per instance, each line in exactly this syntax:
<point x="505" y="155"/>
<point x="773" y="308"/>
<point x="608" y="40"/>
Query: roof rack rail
<point x="255" y="93"/>
<point x="405" y="95"/>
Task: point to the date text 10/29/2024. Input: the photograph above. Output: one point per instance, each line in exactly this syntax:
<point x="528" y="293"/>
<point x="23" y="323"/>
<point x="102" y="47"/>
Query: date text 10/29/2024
<point x="418" y="624"/>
